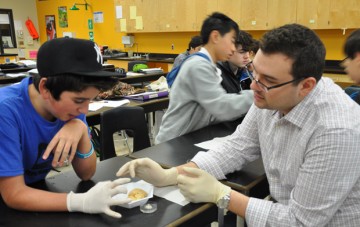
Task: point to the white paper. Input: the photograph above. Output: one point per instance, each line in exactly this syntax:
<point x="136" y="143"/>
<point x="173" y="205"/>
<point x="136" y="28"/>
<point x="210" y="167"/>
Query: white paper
<point x="94" y="106"/>
<point x="29" y="63"/>
<point x="143" y="93"/>
<point x="118" y="10"/>
<point x="212" y="144"/>
<point x="171" y="193"/>
<point x="15" y="74"/>
<point x="4" y="19"/>
<point x="18" y="25"/>
<point x="134" y="74"/>
<point x="7" y="41"/>
<point x="98" y="17"/>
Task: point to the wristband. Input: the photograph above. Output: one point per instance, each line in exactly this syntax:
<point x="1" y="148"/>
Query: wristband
<point x="83" y="156"/>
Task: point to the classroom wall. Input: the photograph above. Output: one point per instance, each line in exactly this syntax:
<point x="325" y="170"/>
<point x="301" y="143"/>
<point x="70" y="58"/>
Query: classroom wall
<point x="22" y="10"/>
<point x="104" y="33"/>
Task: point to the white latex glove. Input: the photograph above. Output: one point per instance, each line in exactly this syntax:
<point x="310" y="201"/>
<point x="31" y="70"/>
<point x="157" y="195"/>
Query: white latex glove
<point x="99" y="198"/>
<point x="149" y="171"/>
<point x="199" y="186"/>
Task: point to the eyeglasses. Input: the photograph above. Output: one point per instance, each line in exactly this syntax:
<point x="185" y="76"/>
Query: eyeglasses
<point x="262" y="85"/>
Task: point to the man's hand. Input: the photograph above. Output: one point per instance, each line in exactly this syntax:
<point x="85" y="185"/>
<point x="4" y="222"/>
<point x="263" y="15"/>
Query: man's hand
<point x="149" y="171"/>
<point x="199" y="186"/>
<point x="65" y="142"/>
<point x="99" y="198"/>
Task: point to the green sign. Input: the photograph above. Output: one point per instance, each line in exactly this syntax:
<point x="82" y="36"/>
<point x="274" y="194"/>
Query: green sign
<point x="90" y="24"/>
<point x="91" y="36"/>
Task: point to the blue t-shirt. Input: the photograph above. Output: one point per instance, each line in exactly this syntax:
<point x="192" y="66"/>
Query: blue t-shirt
<point x="24" y="134"/>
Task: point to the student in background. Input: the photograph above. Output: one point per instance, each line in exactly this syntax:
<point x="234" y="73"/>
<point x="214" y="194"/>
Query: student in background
<point x="194" y="46"/>
<point x="351" y="63"/>
<point x="43" y="124"/>
<point x="234" y="76"/>
<point x="303" y="126"/>
<point x="197" y="98"/>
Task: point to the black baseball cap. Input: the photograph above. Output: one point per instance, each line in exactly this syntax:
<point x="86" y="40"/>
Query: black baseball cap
<point x="71" y="56"/>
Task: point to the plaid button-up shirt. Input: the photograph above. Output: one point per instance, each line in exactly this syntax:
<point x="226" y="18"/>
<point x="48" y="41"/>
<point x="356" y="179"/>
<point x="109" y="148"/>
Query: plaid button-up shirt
<point x="311" y="158"/>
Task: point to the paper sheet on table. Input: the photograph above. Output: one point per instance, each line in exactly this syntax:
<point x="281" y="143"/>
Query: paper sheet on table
<point x="212" y="144"/>
<point x="15" y="74"/>
<point x="94" y="106"/>
<point x="134" y="74"/>
<point x="171" y="193"/>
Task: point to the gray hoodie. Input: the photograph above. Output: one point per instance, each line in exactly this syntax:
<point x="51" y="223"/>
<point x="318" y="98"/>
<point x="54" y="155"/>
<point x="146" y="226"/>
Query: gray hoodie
<point x="197" y="99"/>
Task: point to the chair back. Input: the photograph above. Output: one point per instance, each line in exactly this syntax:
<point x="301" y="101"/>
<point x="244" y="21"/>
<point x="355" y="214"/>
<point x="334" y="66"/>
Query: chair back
<point x="122" y="118"/>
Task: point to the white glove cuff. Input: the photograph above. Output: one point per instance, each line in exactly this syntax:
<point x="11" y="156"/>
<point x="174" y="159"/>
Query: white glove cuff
<point x="224" y="190"/>
<point x="172" y="176"/>
<point x="74" y="202"/>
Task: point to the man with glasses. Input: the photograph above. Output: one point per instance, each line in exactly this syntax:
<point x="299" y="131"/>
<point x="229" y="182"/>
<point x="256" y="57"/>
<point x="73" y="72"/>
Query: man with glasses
<point x="305" y="129"/>
<point x="233" y="73"/>
<point x="351" y="63"/>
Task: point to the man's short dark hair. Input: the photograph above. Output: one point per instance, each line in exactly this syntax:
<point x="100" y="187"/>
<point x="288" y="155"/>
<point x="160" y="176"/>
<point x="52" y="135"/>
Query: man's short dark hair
<point x="219" y="22"/>
<point x="300" y="44"/>
<point x="352" y="44"/>
<point x="74" y="83"/>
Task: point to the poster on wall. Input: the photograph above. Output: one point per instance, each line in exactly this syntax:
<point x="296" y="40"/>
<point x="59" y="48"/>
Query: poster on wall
<point x="50" y="27"/>
<point x="63" y="21"/>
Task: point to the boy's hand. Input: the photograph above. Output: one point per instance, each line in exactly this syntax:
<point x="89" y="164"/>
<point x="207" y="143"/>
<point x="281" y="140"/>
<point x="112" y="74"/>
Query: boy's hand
<point x="65" y="142"/>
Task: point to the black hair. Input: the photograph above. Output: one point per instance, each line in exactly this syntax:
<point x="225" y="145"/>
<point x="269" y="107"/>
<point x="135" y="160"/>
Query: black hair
<point x="255" y="46"/>
<point x="219" y="22"/>
<point x="74" y="83"/>
<point x="300" y="44"/>
<point x="195" y="42"/>
<point x="352" y="44"/>
<point x="245" y="40"/>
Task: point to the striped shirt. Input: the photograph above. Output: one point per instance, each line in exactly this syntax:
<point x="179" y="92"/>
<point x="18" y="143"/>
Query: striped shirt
<point x="311" y="158"/>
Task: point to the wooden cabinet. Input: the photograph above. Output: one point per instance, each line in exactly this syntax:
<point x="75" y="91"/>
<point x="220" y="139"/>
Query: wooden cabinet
<point x="280" y="12"/>
<point x="188" y="15"/>
<point x="253" y="15"/>
<point x="265" y="15"/>
<point x="344" y="14"/>
<point x="118" y="64"/>
<point x="231" y="8"/>
<point x="313" y="13"/>
<point x="329" y="14"/>
<point x="203" y="9"/>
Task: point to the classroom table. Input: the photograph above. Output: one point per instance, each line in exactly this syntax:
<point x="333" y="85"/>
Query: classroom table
<point x="93" y="117"/>
<point x="251" y="180"/>
<point x="167" y="214"/>
<point x="141" y="78"/>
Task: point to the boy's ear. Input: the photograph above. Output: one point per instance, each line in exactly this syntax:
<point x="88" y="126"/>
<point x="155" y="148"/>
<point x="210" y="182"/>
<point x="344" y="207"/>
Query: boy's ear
<point x="44" y="92"/>
<point x="214" y="36"/>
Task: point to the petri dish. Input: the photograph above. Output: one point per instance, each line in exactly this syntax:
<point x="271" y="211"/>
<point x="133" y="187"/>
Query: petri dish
<point x="149" y="207"/>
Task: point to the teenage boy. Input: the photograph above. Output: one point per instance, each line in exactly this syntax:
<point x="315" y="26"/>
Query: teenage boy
<point x="43" y="124"/>
<point x="303" y="126"/>
<point x="197" y="98"/>
<point x="194" y="46"/>
<point x="235" y="78"/>
<point x="351" y="63"/>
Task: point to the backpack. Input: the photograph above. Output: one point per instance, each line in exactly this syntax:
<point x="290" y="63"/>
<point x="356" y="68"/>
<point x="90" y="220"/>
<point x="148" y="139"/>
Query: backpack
<point x="138" y="67"/>
<point x="170" y="77"/>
